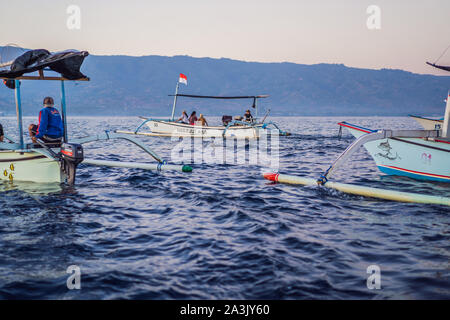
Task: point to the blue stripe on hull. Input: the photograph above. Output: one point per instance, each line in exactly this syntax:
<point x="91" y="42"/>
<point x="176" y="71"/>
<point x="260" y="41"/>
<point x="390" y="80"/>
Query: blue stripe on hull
<point x="395" y="172"/>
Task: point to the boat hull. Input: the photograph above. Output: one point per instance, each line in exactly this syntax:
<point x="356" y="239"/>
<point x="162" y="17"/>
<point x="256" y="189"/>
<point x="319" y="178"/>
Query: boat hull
<point x="29" y="166"/>
<point x="186" y="130"/>
<point x="429" y="124"/>
<point x="412" y="157"/>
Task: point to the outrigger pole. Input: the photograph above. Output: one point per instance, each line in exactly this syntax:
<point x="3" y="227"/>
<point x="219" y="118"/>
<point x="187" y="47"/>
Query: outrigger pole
<point x="138" y="165"/>
<point x="19" y="102"/>
<point x="360" y="190"/>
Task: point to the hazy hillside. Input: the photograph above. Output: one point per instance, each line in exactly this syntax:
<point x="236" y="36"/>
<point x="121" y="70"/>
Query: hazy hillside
<point x="124" y="85"/>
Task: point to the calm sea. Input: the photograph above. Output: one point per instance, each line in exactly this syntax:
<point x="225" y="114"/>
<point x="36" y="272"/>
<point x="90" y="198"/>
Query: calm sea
<point x="222" y="231"/>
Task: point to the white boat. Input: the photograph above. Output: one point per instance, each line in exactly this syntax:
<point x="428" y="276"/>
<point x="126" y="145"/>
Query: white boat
<point x="419" y="154"/>
<point x="229" y="129"/>
<point x="429" y="123"/>
<point x="57" y="163"/>
<point x="21" y="166"/>
<point x="172" y="128"/>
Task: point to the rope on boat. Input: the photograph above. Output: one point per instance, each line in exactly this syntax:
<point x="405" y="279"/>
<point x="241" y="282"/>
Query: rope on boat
<point x="360" y="190"/>
<point x="442" y="54"/>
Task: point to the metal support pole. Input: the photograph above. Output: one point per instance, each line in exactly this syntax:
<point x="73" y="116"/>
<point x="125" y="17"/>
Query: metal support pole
<point x="63" y="109"/>
<point x="446" y="124"/>
<point x="19" y="113"/>
<point x="175" y="101"/>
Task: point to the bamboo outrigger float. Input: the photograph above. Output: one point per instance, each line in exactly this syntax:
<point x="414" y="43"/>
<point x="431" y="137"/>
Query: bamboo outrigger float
<point x="360" y="190"/>
<point x="57" y="162"/>
<point x="232" y="129"/>
<point x="419" y="154"/>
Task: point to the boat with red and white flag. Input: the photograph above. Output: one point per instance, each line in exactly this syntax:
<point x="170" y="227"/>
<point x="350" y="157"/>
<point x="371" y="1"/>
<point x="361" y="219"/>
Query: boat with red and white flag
<point x="230" y="128"/>
<point x="182" y="79"/>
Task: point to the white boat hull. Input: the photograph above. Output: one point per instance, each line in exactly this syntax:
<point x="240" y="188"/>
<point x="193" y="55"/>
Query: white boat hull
<point x="29" y="166"/>
<point x="413" y="157"/>
<point x="186" y="130"/>
<point x="429" y="124"/>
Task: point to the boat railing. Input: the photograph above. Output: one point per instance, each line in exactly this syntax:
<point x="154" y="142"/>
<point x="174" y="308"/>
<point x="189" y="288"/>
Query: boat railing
<point x="108" y="135"/>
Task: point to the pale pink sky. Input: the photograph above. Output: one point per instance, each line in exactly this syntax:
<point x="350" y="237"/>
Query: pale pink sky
<point x="296" y="31"/>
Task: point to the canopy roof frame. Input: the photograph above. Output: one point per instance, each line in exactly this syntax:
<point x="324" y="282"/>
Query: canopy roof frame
<point x="255" y="98"/>
<point x="19" y="100"/>
<point x="219" y="97"/>
<point x="446" y="68"/>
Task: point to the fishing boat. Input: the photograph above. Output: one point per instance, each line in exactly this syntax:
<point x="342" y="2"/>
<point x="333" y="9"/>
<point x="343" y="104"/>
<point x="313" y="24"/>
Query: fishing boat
<point x="432" y="123"/>
<point x="55" y="162"/>
<point x="419" y="154"/>
<point x="429" y="123"/>
<point x="230" y="128"/>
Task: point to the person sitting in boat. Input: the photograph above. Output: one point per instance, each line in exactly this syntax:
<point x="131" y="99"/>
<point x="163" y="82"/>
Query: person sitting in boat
<point x="50" y="128"/>
<point x="248" y="116"/>
<point x="193" y="118"/>
<point x="202" y="121"/>
<point x="238" y="118"/>
<point x="184" y="118"/>
<point x="1" y="133"/>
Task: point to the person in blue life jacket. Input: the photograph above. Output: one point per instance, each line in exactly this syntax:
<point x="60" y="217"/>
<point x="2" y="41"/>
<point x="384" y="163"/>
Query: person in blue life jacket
<point x="50" y="128"/>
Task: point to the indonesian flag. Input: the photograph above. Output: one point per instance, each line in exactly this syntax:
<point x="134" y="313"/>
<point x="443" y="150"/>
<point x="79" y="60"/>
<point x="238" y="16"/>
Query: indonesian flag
<point x="183" y="79"/>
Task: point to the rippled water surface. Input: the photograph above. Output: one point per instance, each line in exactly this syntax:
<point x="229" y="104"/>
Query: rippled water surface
<point x="223" y="232"/>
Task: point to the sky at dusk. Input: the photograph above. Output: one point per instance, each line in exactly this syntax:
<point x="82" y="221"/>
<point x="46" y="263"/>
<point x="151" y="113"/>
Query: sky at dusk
<point x="306" y="32"/>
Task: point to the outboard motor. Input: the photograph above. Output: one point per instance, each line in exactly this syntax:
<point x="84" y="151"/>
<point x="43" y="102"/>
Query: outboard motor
<point x="71" y="155"/>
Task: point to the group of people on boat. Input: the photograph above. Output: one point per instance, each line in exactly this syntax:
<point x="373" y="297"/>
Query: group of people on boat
<point x="193" y="120"/>
<point x="50" y="128"/>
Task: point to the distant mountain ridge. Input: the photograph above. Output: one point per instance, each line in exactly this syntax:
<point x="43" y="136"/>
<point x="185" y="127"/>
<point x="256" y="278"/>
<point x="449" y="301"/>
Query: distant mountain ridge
<point x="126" y="85"/>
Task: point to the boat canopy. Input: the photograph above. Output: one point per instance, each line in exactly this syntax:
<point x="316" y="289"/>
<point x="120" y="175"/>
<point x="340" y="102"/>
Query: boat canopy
<point x="218" y="97"/>
<point x="446" y="68"/>
<point x="67" y="63"/>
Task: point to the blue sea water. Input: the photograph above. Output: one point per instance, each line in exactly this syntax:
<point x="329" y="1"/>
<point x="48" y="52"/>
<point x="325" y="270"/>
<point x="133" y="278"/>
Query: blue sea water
<point x="222" y="231"/>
